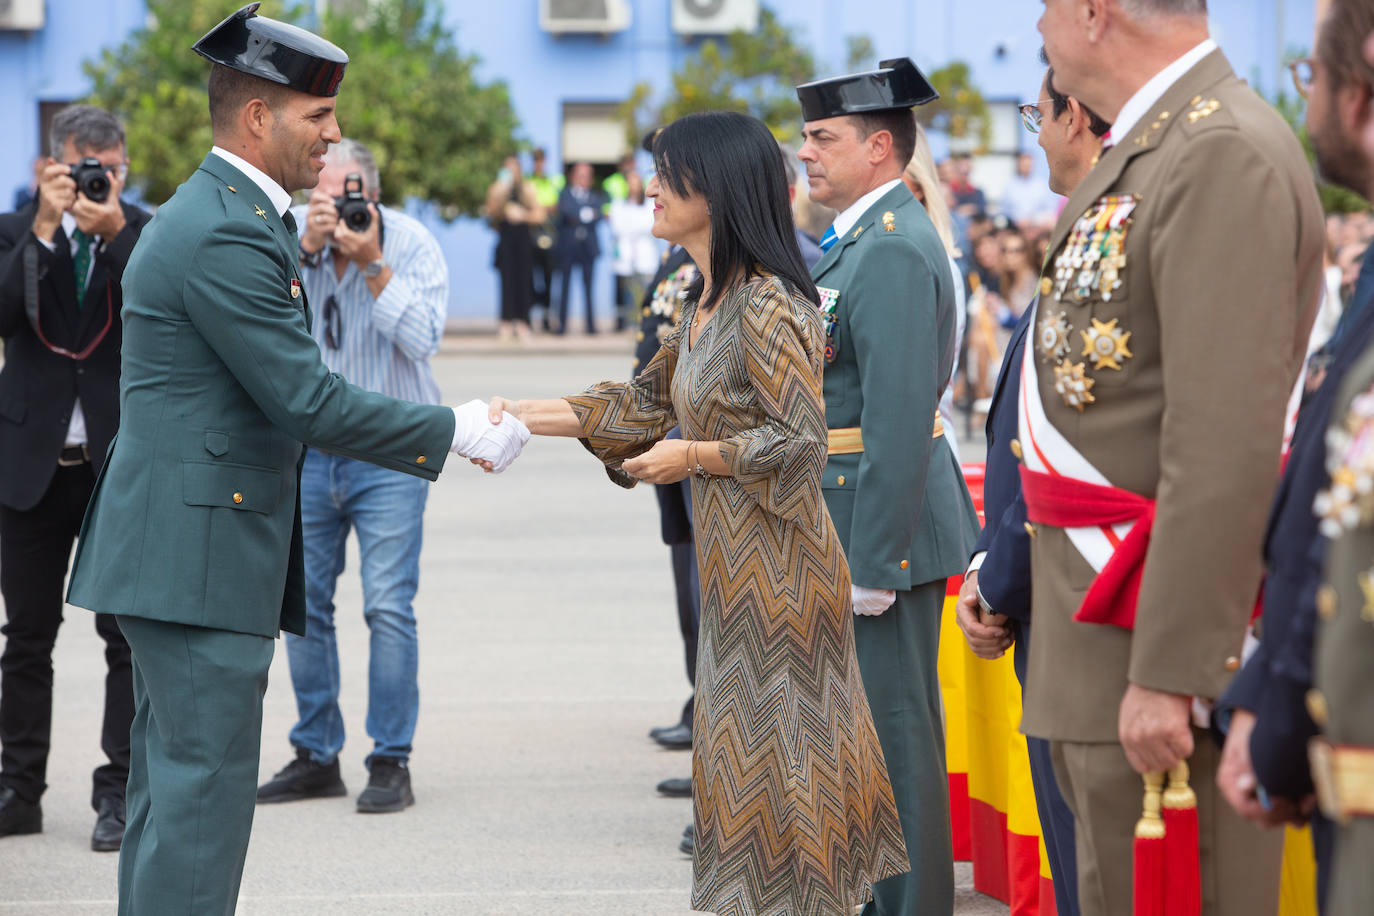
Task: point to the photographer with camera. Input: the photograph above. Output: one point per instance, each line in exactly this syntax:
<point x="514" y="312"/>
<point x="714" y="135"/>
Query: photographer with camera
<point x="61" y="261"/>
<point x="378" y="285"/>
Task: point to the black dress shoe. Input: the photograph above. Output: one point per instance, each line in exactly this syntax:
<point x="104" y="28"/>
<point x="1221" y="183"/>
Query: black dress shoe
<point x="109" y="825"/>
<point x="675" y="788"/>
<point x="677" y="738"/>
<point x="18" y="816"/>
<point x="689" y="840"/>
<point x="388" y="787"/>
<point x="303" y="778"/>
<point x="660" y="730"/>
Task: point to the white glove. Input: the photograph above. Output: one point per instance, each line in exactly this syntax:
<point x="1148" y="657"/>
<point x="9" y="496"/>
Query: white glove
<point x="871" y="601"/>
<point x="475" y="436"/>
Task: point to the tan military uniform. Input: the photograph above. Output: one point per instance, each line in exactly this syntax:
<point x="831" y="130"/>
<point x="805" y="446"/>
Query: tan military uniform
<point x="1174" y="311"/>
<point x="1343" y="703"/>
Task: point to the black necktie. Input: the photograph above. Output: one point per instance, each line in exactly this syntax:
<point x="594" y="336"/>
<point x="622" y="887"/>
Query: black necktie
<point x="289" y="221"/>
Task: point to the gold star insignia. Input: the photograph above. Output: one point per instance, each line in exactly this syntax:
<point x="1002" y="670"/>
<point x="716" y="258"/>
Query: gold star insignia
<point x="1073" y="385"/>
<point x="1106" y="344"/>
<point x="858" y="231"/>
<point x="259" y="211"/>
<point x="1366" y="580"/>
<point x="890" y="221"/>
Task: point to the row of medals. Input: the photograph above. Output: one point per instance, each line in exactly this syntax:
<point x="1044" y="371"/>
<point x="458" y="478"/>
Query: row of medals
<point x="1093" y="260"/>
<point x="1348" y="502"/>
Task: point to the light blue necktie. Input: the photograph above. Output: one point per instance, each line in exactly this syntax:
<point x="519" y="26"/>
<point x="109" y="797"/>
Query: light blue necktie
<point x="829" y="239"/>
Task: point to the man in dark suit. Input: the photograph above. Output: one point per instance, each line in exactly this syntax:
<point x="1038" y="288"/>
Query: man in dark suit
<point x="579" y="211"/>
<point x="1264" y="770"/>
<point x="61" y="261"/>
<point x="994" y="608"/>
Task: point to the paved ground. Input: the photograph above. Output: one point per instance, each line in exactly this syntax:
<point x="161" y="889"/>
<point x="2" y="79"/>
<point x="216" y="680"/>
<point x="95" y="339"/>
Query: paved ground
<point x="548" y="647"/>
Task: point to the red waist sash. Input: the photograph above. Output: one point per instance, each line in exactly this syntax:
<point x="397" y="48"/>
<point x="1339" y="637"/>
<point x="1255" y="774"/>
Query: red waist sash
<point x="1068" y="503"/>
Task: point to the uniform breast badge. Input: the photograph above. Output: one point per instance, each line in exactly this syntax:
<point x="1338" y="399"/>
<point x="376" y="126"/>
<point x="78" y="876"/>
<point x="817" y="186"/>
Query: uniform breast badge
<point x="1073" y="385"/>
<point x="295" y="288"/>
<point x="890" y="221"/>
<point x="830" y="299"/>
<point x="1053" y="335"/>
<point x="1348" y="502"/>
<point x="1106" y="344"/>
<point x="1093" y="255"/>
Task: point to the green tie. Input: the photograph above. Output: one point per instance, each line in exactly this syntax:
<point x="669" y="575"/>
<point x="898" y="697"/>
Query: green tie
<point x="82" y="259"/>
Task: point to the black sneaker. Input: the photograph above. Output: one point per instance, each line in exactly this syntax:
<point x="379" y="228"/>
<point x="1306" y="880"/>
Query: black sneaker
<point x="388" y="787"/>
<point x="303" y="778"/>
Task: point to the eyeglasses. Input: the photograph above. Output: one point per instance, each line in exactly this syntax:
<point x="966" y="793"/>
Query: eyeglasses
<point x="1032" y="116"/>
<point x="333" y="324"/>
<point x="1014" y="249"/>
<point x="1303" y="71"/>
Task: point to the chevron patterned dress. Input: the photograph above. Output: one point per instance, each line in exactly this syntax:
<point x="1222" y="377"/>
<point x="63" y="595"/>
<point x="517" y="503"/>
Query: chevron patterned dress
<point x="794" y="810"/>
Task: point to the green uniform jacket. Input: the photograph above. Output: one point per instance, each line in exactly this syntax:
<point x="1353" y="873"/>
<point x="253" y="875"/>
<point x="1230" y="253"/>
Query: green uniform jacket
<point x="196" y="517"/>
<point x="900" y="506"/>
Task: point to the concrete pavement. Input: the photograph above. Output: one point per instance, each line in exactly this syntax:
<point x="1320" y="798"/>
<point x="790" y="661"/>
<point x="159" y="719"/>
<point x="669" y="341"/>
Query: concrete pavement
<point x="549" y="646"/>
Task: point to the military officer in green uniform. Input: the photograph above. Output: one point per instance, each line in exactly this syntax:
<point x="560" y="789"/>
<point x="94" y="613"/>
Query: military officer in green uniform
<point x="193" y="535"/>
<point x="891" y="483"/>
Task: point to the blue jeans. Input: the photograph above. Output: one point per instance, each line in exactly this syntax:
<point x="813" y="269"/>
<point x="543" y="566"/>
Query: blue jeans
<point x="386" y="508"/>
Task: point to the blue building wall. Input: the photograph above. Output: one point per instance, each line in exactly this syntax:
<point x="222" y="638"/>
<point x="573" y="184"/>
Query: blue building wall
<point x="997" y="38"/>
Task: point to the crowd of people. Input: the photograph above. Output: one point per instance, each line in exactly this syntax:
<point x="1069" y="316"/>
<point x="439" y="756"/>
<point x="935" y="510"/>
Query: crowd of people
<point x="1170" y="343"/>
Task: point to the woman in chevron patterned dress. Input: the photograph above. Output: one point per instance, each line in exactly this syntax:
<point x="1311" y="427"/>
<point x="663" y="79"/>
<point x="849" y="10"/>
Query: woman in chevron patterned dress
<point x="793" y="808"/>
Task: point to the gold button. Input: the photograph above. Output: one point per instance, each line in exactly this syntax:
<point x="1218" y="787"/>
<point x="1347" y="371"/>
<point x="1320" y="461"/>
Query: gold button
<point x="1326" y="602"/>
<point x="840" y="480"/>
<point x="1030" y="529"/>
<point x="1232" y="663"/>
<point x="639" y="335"/>
<point x="238" y="497"/>
<point x="421" y="460"/>
<point x="644" y="311"/>
<point x="1316" y="706"/>
<point x="1045" y="286"/>
<point x="904" y="564"/>
<point x="1016" y="448"/>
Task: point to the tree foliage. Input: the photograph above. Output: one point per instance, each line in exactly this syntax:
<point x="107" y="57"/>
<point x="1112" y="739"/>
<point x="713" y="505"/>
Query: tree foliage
<point x="409" y="94"/>
<point x="960" y="111"/>
<point x="749" y="72"/>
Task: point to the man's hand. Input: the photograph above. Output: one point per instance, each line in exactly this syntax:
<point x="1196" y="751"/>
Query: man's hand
<point x="870" y="602"/>
<point x="320" y="219"/>
<point x="106" y="218"/>
<point x="491" y="446"/>
<point x="666" y="462"/>
<point x="362" y="248"/>
<point x="1154" y="728"/>
<point x="1240" y="786"/>
<point x="56" y="194"/>
<point x="988" y="635"/>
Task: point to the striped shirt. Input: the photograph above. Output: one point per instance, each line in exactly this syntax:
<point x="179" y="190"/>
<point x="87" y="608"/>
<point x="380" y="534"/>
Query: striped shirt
<point x="385" y="342"/>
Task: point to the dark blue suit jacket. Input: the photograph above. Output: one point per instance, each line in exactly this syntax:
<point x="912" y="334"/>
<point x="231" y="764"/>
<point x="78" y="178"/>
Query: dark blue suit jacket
<point x="1274" y="682"/>
<point x="1004" y="577"/>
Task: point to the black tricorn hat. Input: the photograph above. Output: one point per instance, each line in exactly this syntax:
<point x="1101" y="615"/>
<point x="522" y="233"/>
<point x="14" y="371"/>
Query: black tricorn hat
<point x="275" y="51"/>
<point x="897" y="83"/>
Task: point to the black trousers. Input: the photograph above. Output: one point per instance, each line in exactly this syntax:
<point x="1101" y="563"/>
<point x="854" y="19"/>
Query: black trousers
<point x="35" y="549"/>
<point x="565" y="269"/>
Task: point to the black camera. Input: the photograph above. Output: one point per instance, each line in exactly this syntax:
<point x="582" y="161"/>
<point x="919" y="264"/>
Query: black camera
<point x="352" y="207"/>
<point x="91" y="179"/>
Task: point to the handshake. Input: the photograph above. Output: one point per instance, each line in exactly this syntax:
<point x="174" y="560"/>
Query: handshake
<point x="484" y="442"/>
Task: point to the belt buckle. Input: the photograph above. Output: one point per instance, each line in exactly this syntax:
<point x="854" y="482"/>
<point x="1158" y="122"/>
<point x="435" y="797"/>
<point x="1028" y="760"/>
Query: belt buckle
<point x="1319" y="757"/>
<point x="64" y="462"/>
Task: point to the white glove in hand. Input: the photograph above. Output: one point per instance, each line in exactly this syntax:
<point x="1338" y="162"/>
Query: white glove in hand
<point x="475" y="436"/>
<point x="871" y="601"/>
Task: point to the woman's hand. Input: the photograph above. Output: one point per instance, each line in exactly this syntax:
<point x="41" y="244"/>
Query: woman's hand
<point x="498" y="405"/>
<point x="666" y="462"/>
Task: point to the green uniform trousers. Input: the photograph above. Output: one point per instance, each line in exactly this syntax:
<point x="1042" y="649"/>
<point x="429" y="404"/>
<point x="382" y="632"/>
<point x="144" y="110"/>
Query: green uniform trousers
<point x="898" y="651"/>
<point x="193" y="766"/>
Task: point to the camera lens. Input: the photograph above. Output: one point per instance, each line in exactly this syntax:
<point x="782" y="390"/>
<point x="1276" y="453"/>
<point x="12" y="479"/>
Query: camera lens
<point x="97" y="187"/>
<point x="358" y="219"/>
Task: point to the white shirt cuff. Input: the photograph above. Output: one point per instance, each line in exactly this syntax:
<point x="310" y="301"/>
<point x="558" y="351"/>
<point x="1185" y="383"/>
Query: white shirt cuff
<point x="976" y="563"/>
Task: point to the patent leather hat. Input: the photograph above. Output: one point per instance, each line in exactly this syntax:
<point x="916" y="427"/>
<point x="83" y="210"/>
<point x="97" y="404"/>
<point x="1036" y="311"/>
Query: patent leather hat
<point x="275" y="51"/>
<point x="897" y="83"/>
